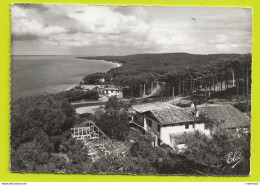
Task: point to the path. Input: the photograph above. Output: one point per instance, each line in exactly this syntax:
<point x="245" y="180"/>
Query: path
<point x="88" y="109"/>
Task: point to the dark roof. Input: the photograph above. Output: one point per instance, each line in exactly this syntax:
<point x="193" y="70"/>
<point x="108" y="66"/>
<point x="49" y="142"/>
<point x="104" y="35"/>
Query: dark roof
<point x="153" y="106"/>
<point x="227" y="115"/>
<point x="173" y="115"/>
<point x="84" y="124"/>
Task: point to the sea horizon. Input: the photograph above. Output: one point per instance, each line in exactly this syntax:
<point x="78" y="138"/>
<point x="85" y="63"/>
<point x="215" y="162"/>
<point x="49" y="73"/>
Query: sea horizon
<point x="37" y="74"/>
<point x="218" y="53"/>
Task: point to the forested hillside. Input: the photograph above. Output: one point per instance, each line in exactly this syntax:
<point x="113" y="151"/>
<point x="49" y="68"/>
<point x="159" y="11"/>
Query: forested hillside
<point x="182" y="71"/>
<point x="41" y="142"/>
<point x="169" y="59"/>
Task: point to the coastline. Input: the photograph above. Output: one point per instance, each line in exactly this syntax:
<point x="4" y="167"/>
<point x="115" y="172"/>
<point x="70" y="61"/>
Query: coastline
<point x="71" y="87"/>
<point x="116" y="63"/>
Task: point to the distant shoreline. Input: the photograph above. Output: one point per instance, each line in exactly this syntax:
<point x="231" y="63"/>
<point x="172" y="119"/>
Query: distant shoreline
<point x="117" y="64"/>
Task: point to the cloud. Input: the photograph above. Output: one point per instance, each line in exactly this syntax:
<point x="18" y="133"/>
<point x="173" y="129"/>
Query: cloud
<point x="38" y="7"/>
<point x="26" y="27"/>
<point x="107" y="21"/>
<point x="91" y="30"/>
<point x="32" y="29"/>
<point x="22" y="37"/>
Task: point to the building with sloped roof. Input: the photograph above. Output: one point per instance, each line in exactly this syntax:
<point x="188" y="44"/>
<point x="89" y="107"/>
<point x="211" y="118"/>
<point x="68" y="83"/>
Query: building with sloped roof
<point x="153" y="106"/>
<point x="167" y="122"/>
<point x="227" y="116"/>
<point x="163" y="120"/>
<point x="112" y="91"/>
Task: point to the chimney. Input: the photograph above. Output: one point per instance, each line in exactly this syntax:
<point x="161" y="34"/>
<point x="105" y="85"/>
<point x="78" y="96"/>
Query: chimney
<point x="192" y="104"/>
<point x="197" y="113"/>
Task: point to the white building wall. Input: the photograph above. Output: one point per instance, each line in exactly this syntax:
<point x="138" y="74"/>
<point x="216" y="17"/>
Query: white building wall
<point x="145" y="123"/>
<point x="178" y="129"/>
<point x="154" y="128"/>
<point x="116" y="93"/>
<point x="201" y="127"/>
<point x="164" y="133"/>
<point x="120" y="94"/>
<point x="102" y="80"/>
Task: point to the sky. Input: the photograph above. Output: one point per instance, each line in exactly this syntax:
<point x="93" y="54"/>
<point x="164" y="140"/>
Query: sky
<point x="51" y="29"/>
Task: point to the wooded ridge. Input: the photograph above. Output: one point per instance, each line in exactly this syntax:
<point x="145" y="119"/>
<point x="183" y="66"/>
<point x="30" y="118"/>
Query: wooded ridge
<point x="182" y="73"/>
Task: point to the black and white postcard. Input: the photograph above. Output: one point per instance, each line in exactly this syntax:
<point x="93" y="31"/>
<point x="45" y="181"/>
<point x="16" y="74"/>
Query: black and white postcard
<point x="144" y="90"/>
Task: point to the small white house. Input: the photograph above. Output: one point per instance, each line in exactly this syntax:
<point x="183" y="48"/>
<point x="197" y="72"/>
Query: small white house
<point x="102" y="80"/>
<point x="167" y="122"/>
<point x="113" y="92"/>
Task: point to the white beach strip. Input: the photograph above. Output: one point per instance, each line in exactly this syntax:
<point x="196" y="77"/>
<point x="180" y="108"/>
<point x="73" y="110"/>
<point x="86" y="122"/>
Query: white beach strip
<point x="71" y="87"/>
<point x="117" y="64"/>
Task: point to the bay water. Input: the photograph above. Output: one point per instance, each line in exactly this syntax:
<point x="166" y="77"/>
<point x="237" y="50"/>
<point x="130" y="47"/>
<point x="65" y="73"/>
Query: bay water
<point x="49" y="74"/>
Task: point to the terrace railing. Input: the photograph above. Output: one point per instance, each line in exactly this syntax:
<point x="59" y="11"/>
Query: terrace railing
<point x="98" y="143"/>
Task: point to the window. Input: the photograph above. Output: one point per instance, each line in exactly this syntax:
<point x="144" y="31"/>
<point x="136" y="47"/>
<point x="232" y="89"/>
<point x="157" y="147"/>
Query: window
<point x="159" y="142"/>
<point x="154" y="141"/>
<point x="158" y="128"/>
<point x="186" y="126"/>
<point x="206" y="126"/>
<point x="149" y="123"/>
<point x="193" y="125"/>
